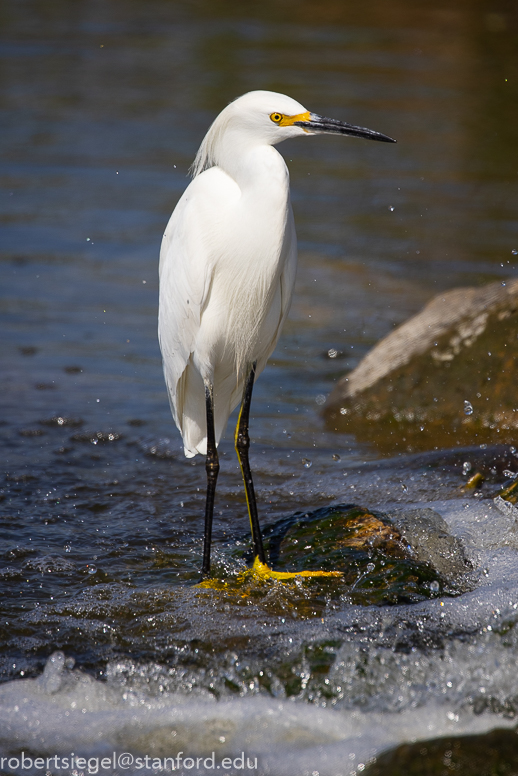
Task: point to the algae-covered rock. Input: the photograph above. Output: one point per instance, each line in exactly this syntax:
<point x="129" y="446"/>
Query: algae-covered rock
<point x="489" y="754"/>
<point x="405" y="556"/>
<point x="446" y="377"/>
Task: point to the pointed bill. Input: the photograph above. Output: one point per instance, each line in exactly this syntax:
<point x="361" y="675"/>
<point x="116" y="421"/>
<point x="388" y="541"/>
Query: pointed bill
<point x="322" y="125"/>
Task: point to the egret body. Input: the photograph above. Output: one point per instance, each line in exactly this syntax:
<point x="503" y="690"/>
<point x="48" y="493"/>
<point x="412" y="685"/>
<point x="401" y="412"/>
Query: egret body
<point x="227" y="271"/>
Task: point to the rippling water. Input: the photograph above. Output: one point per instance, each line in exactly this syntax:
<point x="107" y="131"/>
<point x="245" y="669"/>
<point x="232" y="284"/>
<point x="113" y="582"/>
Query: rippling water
<point x="103" y="106"/>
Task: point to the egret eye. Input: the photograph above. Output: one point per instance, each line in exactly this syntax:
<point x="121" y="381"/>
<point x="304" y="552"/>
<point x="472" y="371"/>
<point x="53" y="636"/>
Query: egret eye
<point x="276" y="117"/>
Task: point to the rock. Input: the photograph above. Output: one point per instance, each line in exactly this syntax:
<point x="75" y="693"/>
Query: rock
<point x="446" y="377"/>
<point x="402" y="557"/>
<point x="476" y="755"/>
<point x="428" y="535"/>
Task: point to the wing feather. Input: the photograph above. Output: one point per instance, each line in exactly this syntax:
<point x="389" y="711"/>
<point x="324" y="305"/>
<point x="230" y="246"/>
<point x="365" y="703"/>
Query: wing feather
<point x="187" y="262"/>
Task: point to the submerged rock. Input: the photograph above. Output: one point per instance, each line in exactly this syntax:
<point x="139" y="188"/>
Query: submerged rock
<point x="446" y="377"/>
<point x="477" y="755"/>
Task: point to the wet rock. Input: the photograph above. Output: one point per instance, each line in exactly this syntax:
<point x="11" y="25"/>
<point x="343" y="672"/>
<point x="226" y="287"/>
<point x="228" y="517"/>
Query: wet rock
<point x="428" y="535"/>
<point x="446" y="377"/>
<point x="479" y="755"/>
<point x="379" y="565"/>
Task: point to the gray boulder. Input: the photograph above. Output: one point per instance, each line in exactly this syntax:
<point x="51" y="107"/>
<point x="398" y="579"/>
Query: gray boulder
<point x="446" y="377"/>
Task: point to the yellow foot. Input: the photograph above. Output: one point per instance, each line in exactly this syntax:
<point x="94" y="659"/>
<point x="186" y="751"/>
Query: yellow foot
<point x="262" y="572"/>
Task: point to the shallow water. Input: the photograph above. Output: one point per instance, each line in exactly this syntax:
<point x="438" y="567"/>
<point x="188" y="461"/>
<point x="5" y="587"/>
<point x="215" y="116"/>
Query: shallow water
<point x="103" y="106"/>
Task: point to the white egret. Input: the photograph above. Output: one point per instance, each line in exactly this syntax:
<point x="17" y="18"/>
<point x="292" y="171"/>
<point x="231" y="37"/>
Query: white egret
<point x="227" y="270"/>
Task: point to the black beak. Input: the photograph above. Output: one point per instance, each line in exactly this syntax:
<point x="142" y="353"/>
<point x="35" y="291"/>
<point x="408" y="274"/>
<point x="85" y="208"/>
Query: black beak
<point x="321" y="124"/>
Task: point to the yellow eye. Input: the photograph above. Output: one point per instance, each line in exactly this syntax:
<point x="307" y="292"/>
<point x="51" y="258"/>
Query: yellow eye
<point x="276" y="117"/>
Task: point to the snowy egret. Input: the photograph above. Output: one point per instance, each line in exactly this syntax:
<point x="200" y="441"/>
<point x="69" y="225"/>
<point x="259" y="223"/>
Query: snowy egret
<point x="227" y="270"/>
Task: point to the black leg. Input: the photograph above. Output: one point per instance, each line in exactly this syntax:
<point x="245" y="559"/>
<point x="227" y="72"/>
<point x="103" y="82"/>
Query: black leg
<point x="242" y="441"/>
<point x="212" y="469"/>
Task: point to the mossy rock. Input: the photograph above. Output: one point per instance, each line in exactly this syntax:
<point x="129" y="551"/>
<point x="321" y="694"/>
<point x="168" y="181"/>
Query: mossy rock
<point x="446" y="377"/>
<point x="490" y="754"/>
<point x="378" y="564"/>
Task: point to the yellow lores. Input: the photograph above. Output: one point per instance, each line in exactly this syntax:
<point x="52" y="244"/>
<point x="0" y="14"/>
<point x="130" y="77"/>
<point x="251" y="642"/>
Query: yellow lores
<point x="288" y="121"/>
<point x="227" y="271"/>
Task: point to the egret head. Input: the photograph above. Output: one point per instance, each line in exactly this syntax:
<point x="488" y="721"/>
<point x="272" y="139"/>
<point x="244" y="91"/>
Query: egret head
<point x="268" y="118"/>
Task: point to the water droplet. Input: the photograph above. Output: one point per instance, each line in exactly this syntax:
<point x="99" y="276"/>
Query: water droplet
<point x="504" y="283"/>
<point x="307" y="463"/>
<point x="514" y="252"/>
<point x="434" y="586"/>
<point x="468" y="408"/>
<point x="391" y="208"/>
<point x="332" y="353"/>
<point x="68" y="548"/>
<point x="336" y="457"/>
<point x="466" y="467"/>
<point x="91" y="568"/>
<point x="320" y="399"/>
<point x="370" y="567"/>
<point x="404" y="487"/>
<point x="343" y="411"/>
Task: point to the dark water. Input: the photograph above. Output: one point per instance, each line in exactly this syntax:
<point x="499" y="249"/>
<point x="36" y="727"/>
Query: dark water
<point x="103" y="106"/>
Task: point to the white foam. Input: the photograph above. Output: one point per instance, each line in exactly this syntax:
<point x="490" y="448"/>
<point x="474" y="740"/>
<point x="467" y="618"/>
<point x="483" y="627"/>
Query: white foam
<point x="64" y="712"/>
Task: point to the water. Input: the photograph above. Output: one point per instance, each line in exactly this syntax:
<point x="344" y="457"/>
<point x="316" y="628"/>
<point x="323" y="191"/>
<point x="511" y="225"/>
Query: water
<point x="103" y="106"/>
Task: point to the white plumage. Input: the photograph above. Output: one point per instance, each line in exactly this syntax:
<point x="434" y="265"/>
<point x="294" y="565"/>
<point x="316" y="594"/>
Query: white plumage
<point x="227" y="264"/>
